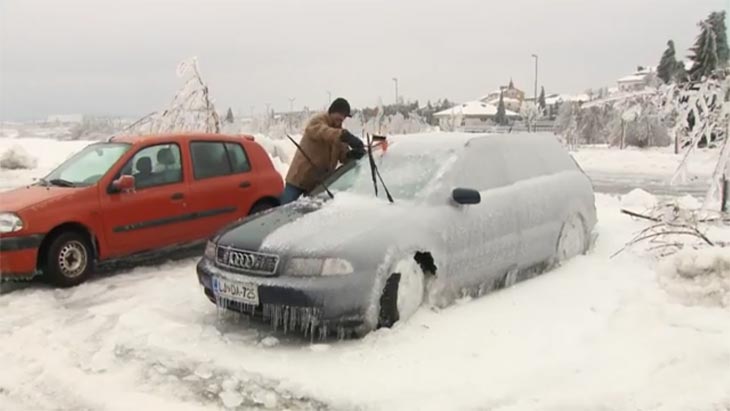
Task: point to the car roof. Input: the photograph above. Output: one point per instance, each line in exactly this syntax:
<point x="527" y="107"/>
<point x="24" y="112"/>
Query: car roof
<point x="144" y="139"/>
<point x="456" y="141"/>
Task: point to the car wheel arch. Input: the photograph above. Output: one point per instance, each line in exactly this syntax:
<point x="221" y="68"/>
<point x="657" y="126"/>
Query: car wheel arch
<point x="70" y="226"/>
<point x="390" y="278"/>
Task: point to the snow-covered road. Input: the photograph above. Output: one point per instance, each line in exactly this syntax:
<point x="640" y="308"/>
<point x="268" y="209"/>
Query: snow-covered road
<point x="597" y="333"/>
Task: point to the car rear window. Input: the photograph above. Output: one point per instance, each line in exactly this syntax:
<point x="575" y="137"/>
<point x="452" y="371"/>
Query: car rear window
<point x="215" y="159"/>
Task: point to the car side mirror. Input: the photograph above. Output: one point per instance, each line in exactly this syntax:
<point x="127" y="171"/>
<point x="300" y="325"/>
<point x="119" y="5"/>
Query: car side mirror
<point x="466" y="196"/>
<point x="123" y="183"/>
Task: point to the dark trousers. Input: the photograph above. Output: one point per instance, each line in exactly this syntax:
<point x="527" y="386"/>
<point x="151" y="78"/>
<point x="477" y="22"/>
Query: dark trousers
<point x="290" y="194"/>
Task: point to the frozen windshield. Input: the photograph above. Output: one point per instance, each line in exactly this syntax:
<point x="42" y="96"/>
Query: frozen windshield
<point x="87" y="166"/>
<point x="405" y="175"/>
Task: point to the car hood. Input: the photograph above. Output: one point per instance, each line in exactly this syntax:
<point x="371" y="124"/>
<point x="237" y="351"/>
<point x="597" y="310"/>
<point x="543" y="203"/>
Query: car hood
<point x="326" y="227"/>
<point x="22" y="198"/>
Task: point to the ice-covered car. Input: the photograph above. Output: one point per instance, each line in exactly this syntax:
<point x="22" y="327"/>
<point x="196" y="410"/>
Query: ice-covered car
<point x="471" y="213"/>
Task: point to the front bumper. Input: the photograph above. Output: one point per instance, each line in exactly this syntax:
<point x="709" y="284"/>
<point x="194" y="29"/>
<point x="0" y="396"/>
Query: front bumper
<point x="19" y="256"/>
<point x="336" y="301"/>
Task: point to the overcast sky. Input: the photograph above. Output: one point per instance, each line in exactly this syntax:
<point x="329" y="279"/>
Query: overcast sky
<point x="119" y="57"/>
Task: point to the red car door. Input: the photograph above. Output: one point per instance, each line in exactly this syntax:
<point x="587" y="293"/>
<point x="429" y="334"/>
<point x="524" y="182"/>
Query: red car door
<point x="222" y="188"/>
<point x="152" y="215"/>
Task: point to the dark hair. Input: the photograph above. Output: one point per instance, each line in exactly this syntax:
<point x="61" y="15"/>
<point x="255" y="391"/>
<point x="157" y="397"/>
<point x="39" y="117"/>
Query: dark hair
<point x="341" y="106"/>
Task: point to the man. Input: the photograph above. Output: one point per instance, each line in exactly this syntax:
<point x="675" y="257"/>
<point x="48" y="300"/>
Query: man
<point x="325" y="144"/>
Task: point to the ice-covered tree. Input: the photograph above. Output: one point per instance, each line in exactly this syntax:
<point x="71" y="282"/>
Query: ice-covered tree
<point x="566" y="124"/>
<point x="529" y="112"/>
<point x="229" y="116"/>
<point x="704" y="55"/>
<point x="702" y="116"/>
<point x="501" y="117"/>
<point x="592" y="123"/>
<point x="191" y="109"/>
<point x="668" y="64"/>
<point x="717" y="21"/>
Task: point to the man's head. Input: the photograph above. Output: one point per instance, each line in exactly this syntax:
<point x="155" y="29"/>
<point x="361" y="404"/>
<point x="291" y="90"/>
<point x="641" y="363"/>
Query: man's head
<point x="339" y="110"/>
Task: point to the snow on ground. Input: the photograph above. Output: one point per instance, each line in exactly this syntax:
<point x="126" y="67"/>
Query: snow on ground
<point x="650" y="162"/>
<point x="593" y="334"/>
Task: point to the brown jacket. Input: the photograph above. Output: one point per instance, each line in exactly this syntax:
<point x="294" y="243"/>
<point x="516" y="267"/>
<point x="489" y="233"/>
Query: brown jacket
<point x="321" y="143"/>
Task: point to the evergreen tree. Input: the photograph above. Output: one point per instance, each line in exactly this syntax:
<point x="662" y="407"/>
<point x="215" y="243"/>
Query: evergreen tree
<point x="229" y="116"/>
<point x="680" y="73"/>
<point x="717" y="21"/>
<point x="501" y="117"/>
<point x="541" y="100"/>
<point x="668" y="64"/>
<point x="704" y="52"/>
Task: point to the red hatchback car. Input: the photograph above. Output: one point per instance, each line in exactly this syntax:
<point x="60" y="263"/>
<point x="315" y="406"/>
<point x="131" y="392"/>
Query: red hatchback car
<point x="129" y="197"/>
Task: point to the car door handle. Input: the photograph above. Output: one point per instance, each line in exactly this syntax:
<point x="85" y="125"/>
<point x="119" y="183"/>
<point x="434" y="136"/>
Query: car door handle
<point x="245" y="184"/>
<point x="177" y="196"/>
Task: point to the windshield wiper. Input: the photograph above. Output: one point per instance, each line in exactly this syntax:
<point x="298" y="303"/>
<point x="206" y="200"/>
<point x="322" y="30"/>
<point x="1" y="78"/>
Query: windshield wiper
<point x="375" y="172"/>
<point x="332" y="196"/>
<point x="60" y="182"/>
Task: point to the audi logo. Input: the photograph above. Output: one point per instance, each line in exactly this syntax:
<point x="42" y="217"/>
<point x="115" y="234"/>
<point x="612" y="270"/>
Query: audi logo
<point x="243" y="260"/>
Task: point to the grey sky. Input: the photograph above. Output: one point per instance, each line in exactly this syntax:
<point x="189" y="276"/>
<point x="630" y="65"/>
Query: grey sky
<point x="119" y="57"/>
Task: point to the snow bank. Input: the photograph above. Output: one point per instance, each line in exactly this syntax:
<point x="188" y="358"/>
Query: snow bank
<point x="16" y="158"/>
<point x="638" y="199"/>
<point x="281" y="151"/>
<point x="698" y="277"/>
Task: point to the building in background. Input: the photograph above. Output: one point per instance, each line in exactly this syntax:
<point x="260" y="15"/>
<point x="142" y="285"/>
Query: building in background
<point x="643" y="77"/>
<point x="513" y="97"/>
<point x="472" y="116"/>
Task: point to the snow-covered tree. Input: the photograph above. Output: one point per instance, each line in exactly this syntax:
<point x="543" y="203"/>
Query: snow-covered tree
<point x="638" y="123"/>
<point x="191" y="109"/>
<point x="541" y="101"/>
<point x="530" y="113"/>
<point x="592" y="124"/>
<point x="229" y="116"/>
<point x="566" y="124"/>
<point x="717" y="21"/>
<point x="702" y="113"/>
<point x="705" y="59"/>
<point x="668" y="64"/>
<point x="501" y="117"/>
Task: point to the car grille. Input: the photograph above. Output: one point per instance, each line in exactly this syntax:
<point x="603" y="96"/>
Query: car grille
<point x="247" y="261"/>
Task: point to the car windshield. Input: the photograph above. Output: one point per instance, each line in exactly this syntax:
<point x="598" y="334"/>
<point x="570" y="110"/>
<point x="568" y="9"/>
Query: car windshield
<point x="406" y="176"/>
<point x="87" y="166"/>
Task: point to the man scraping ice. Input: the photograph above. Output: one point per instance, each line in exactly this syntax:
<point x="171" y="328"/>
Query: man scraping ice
<point x="324" y="145"/>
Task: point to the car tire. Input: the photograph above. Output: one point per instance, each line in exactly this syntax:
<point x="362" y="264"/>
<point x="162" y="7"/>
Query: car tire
<point x="69" y="260"/>
<point x="572" y="240"/>
<point x="261" y="206"/>
<point x="402" y="295"/>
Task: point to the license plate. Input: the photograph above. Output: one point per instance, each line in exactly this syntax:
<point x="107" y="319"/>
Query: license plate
<point x="233" y="290"/>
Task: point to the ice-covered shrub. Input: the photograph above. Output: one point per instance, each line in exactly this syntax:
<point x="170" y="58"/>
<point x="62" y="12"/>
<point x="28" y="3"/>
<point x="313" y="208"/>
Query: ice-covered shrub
<point x="16" y="158"/>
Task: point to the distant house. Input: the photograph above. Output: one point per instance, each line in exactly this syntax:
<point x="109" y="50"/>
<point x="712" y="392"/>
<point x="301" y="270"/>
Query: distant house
<point x="640" y="79"/>
<point x="554" y="101"/>
<point x="513" y="97"/>
<point x="470" y="116"/>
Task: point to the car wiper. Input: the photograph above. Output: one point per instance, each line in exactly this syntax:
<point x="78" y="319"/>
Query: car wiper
<point x="332" y="196"/>
<point x="61" y="182"/>
<point x="375" y="172"/>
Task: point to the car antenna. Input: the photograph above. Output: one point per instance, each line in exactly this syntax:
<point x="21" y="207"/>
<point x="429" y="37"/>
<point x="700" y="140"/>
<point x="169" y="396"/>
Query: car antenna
<point x="376" y="171"/>
<point x="332" y="196"/>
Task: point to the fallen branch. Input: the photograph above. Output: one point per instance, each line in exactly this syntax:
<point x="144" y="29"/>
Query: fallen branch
<point x="637" y="215"/>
